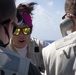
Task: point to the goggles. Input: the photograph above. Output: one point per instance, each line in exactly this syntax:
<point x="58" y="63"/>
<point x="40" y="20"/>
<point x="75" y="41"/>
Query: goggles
<point x="24" y="30"/>
<point x="71" y="15"/>
<point x="5" y="21"/>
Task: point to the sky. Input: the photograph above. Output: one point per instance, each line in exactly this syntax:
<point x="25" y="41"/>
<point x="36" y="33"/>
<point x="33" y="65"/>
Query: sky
<point x="46" y="19"/>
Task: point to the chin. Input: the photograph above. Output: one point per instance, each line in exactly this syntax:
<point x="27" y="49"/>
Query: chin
<point x="22" y="45"/>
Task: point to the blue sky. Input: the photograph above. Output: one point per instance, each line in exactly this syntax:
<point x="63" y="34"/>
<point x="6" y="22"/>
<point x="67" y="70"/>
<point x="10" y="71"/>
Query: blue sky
<point x="46" y="19"/>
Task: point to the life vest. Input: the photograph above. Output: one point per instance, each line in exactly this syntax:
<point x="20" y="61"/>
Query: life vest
<point x="12" y="64"/>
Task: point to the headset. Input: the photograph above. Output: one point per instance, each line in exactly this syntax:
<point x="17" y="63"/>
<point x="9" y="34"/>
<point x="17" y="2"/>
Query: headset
<point x="65" y="25"/>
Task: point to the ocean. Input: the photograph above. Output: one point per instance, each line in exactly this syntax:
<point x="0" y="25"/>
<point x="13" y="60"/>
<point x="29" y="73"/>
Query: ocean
<point x="50" y="41"/>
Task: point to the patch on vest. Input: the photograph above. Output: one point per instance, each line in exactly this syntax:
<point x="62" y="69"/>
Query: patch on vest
<point x="36" y="49"/>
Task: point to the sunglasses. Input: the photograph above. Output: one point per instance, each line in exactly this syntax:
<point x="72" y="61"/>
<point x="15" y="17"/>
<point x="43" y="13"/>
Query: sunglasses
<point x="63" y="17"/>
<point x="24" y="30"/>
<point x="5" y="21"/>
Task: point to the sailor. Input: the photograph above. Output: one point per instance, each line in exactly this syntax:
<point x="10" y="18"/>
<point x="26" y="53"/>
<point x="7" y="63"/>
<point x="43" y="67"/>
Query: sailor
<point x="67" y="24"/>
<point x="10" y="62"/>
<point x="60" y="56"/>
<point x="21" y="41"/>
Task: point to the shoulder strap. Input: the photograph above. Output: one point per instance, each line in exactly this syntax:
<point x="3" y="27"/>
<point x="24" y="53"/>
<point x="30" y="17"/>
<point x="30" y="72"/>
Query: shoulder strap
<point x="23" y="67"/>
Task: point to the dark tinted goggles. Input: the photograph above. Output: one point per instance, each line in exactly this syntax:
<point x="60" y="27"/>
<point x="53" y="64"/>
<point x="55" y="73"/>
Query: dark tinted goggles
<point x="66" y="14"/>
<point x="5" y="22"/>
<point x="24" y="30"/>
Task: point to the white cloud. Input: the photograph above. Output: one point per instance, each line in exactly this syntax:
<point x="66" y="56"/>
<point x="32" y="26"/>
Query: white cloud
<point x="42" y="17"/>
<point x="60" y="12"/>
<point x="44" y="24"/>
<point x="50" y="3"/>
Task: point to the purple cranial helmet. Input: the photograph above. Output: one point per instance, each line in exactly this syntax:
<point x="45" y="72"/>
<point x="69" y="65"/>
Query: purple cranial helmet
<point x="27" y="19"/>
<point x="26" y="11"/>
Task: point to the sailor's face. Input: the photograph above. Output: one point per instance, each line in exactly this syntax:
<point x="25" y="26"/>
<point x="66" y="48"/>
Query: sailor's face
<point x="20" y="40"/>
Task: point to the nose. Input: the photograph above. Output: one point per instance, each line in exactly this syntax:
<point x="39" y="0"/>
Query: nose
<point x="21" y="34"/>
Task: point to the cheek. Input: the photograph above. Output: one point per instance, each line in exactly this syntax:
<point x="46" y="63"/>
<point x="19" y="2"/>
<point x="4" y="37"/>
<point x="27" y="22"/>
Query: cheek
<point x="14" y="38"/>
<point x="10" y="30"/>
<point x="75" y="24"/>
<point x="9" y="26"/>
<point x="28" y="37"/>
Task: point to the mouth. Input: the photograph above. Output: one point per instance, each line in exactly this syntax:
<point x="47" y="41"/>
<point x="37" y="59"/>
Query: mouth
<point x="21" y="41"/>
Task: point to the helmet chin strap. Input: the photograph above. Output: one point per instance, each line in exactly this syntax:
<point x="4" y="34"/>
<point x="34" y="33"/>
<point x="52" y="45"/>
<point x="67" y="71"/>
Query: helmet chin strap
<point x="1" y="43"/>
